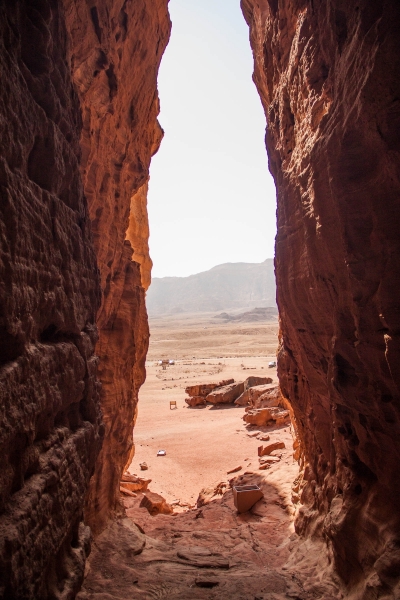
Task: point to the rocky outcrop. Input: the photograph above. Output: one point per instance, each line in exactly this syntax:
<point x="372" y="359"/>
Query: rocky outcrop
<point x="115" y="51"/>
<point x="49" y="295"/>
<point x="252" y="391"/>
<point x="78" y="108"/>
<point x="226" y="394"/>
<point x="262" y="416"/>
<point x="198" y="393"/>
<point x="327" y="73"/>
<point x="155" y="504"/>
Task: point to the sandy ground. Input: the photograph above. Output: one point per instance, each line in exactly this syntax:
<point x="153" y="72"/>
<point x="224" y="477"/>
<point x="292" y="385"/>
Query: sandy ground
<point x="204" y="335"/>
<point x="212" y="552"/>
<point x="201" y="443"/>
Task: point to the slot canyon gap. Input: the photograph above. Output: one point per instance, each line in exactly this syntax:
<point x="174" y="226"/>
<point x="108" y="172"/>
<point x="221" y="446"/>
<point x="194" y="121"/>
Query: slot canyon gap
<point x="78" y="107"/>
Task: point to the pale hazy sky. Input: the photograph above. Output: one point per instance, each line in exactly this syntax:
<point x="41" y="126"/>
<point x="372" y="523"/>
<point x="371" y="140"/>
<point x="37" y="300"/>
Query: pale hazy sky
<point x="211" y="196"/>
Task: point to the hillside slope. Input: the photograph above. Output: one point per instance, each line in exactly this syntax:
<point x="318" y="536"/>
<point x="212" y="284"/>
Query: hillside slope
<point x="227" y="286"/>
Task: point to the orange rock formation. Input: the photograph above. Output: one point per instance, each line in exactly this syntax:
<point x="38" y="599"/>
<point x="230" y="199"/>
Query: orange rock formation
<point x="78" y="119"/>
<point x="115" y="52"/>
<point x="327" y="74"/>
<point x="78" y="110"/>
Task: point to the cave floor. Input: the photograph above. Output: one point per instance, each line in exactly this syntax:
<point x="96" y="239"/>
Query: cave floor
<point x="208" y="553"/>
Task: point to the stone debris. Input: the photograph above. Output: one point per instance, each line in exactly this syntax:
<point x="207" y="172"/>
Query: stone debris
<point x="195" y="400"/>
<point x="266" y="463"/>
<point x="251" y="382"/>
<point x="261" y="416"/>
<point x="226" y="394"/>
<point x="203" y="389"/>
<point x="264" y="437"/>
<point x="235" y="470"/>
<point x="143" y="466"/>
<point x="134" y="483"/>
<point x="265" y="450"/>
<point x="156" y="504"/>
<point x="126" y="491"/>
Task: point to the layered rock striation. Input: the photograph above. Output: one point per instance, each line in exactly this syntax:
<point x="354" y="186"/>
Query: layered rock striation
<point x="327" y="74"/>
<point x="115" y="51"/>
<point x="78" y="121"/>
<point x="49" y="296"/>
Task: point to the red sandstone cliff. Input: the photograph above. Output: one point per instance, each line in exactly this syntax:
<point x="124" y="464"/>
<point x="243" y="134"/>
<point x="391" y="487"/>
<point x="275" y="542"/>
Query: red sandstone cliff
<point x="115" y="51"/>
<point x="328" y="76"/>
<point x="49" y="295"/>
<point x="78" y="123"/>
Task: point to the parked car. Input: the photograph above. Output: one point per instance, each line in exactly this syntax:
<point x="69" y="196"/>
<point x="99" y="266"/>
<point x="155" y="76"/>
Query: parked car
<point x="272" y="364"/>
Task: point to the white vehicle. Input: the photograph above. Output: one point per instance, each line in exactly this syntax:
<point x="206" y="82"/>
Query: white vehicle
<point x="272" y="364"/>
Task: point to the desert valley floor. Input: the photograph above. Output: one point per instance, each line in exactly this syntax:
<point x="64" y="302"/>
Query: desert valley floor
<point x="206" y="551"/>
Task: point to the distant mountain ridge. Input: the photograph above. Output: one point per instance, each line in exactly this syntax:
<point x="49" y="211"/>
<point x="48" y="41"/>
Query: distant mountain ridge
<point x="241" y="286"/>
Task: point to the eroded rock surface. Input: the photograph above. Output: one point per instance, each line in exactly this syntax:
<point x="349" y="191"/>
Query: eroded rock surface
<point x="115" y="50"/>
<point x="327" y="73"/>
<point x="78" y="108"/>
<point x="49" y="295"/>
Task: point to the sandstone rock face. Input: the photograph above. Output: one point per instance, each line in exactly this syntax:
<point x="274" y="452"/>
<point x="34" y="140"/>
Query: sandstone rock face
<point x="203" y="389"/>
<point x="156" y="504"/>
<point x="195" y="400"/>
<point x="115" y="51"/>
<point x="327" y="73"/>
<point x="226" y="394"/>
<point x="261" y="416"/>
<point x="253" y="381"/>
<point x="49" y="295"/>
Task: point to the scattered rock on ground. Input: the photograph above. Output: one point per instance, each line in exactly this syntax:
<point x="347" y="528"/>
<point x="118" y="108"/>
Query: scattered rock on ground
<point x="134" y="483"/>
<point x="253" y="380"/>
<point x="143" y="466"/>
<point x="156" y="504"/>
<point x="261" y="416"/>
<point x="226" y="394"/>
<point x="127" y="492"/>
<point x="195" y="400"/>
<point x="264" y="450"/>
<point x="203" y="389"/>
<point x="270" y="397"/>
<point x="235" y="470"/>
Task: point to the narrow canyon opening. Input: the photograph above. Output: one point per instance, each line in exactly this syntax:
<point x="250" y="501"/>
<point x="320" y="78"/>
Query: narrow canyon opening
<point x="77" y="139"/>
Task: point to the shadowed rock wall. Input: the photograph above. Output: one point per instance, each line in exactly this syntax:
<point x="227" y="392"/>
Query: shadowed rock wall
<point x="116" y="48"/>
<point x="328" y="75"/>
<point x="49" y="295"/>
<point x="78" y="122"/>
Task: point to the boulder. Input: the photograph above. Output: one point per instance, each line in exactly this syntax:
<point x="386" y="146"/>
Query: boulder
<point x="261" y="416"/>
<point x="258" y="387"/>
<point x="134" y="483"/>
<point x="253" y="380"/>
<point x="271" y="397"/>
<point x="265" y="450"/>
<point x="203" y="389"/>
<point x="226" y="394"/>
<point x="243" y="399"/>
<point x="156" y="504"/>
<point x="195" y="400"/>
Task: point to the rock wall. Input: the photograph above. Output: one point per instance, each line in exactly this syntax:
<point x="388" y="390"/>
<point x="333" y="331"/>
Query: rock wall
<point x="115" y="51"/>
<point x="49" y="295"/>
<point x="327" y="73"/>
<point x="78" y="122"/>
